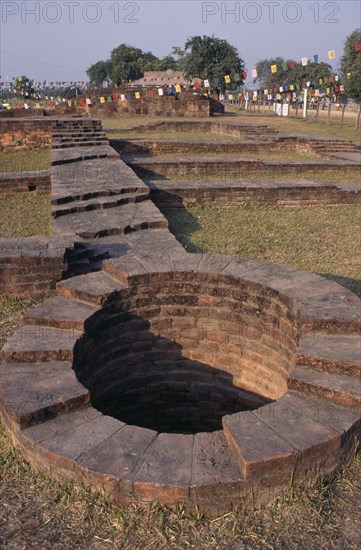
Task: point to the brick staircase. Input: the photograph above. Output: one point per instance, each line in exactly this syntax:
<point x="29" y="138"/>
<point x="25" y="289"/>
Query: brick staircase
<point x="78" y="133"/>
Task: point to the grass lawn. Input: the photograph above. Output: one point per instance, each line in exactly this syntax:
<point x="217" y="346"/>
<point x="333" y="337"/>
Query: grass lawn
<point x="322" y="239"/>
<point x="25" y="216"/>
<point x="24" y="160"/>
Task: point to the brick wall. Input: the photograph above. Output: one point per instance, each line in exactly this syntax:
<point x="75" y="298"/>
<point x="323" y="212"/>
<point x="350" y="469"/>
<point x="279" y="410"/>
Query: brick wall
<point x="25" y="133"/>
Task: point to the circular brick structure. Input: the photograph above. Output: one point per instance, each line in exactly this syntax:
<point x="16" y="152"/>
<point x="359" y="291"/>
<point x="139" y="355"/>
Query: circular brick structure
<point x="178" y="355"/>
<point x="203" y="381"/>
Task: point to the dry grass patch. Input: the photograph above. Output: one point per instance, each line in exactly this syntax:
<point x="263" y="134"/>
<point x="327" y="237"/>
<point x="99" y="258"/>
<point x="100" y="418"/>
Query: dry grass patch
<point x="25" y="215"/>
<point x="24" y="160"/>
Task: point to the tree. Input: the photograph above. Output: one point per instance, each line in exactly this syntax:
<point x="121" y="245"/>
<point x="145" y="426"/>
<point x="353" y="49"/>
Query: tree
<point x="212" y="58"/>
<point x="350" y="55"/>
<point x="23" y="87"/>
<point x="353" y="82"/>
<point x="351" y="66"/>
<point x="127" y="63"/>
<point x="98" y="72"/>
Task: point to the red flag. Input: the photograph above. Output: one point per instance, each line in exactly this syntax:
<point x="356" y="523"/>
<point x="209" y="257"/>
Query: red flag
<point x="331" y="79"/>
<point x="292" y="64"/>
<point x="358" y="47"/>
<point x="244" y="74"/>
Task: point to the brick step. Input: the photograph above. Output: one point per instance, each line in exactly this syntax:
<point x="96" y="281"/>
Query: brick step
<point x="99" y="203"/>
<point x="118" y="220"/>
<point x="268" y="442"/>
<point x="85" y="143"/>
<point x="93" y="288"/>
<point x="75" y="154"/>
<point x="60" y="312"/>
<point x="78" y="137"/>
<point x="342" y="389"/>
<point x="36" y="343"/>
<point x="336" y="353"/>
<point x="33" y="393"/>
<point x="107" y="192"/>
<point x="77" y="134"/>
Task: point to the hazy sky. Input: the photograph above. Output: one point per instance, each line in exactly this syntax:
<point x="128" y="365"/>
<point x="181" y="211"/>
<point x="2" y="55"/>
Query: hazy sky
<point x="59" y="40"/>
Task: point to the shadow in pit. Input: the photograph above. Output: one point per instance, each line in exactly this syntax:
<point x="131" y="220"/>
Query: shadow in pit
<point x="142" y="378"/>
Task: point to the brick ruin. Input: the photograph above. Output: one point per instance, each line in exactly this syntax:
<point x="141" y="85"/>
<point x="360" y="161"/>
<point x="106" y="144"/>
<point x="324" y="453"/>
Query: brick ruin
<point x="199" y="380"/>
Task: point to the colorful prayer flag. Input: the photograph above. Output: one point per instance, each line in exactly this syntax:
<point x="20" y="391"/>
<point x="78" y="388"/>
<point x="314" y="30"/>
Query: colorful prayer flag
<point x="254" y="73"/>
<point x="178" y="89"/>
<point x="102" y="100"/>
<point x="273" y="68"/>
<point x="331" y="54"/>
<point x="304" y="61"/>
<point x="227" y="79"/>
<point x="315" y="58"/>
<point x="358" y="47"/>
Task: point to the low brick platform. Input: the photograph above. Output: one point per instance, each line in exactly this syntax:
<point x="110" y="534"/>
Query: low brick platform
<point x="153" y="374"/>
<point x="188" y="193"/>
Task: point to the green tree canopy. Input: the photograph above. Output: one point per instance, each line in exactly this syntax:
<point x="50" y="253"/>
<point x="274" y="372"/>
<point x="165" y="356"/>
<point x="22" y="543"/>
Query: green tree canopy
<point x="350" y="55"/>
<point x="98" y="72"/>
<point x="351" y="63"/>
<point x="24" y="87"/>
<point x="353" y="83"/>
<point x="209" y="58"/>
<point x="312" y="72"/>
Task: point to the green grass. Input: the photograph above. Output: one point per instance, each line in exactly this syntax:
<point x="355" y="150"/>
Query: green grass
<point x="24" y="160"/>
<point x="322" y="239"/>
<point x="25" y="216"/>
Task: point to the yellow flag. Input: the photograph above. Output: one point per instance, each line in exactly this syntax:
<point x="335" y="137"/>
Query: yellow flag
<point x="178" y="89"/>
<point x="137" y="95"/>
<point x="265" y="92"/>
<point x="348" y="75"/>
<point x="102" y="100"/>
<point x="327" y="90"/>
<point x="69" y="102"/>
<point x="273" y="68"/>
<point x="292" y="87"/>
<point x="37" y="106"/>
<point x="227" y="78"/>
<point x="320" y="81"/>
<point x="278" y="96"/>
<point x="331" y="54"/>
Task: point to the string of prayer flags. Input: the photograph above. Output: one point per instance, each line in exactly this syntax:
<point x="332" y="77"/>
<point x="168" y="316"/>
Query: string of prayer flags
<point x="273" y="69"/>
<point x="331" y="54"/>
<point x="227" y="79"/>
<point x="304" y="61"/>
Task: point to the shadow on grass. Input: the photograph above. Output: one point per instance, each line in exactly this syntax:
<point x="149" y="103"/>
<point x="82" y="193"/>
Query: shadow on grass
<point x="182" y="224"/>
